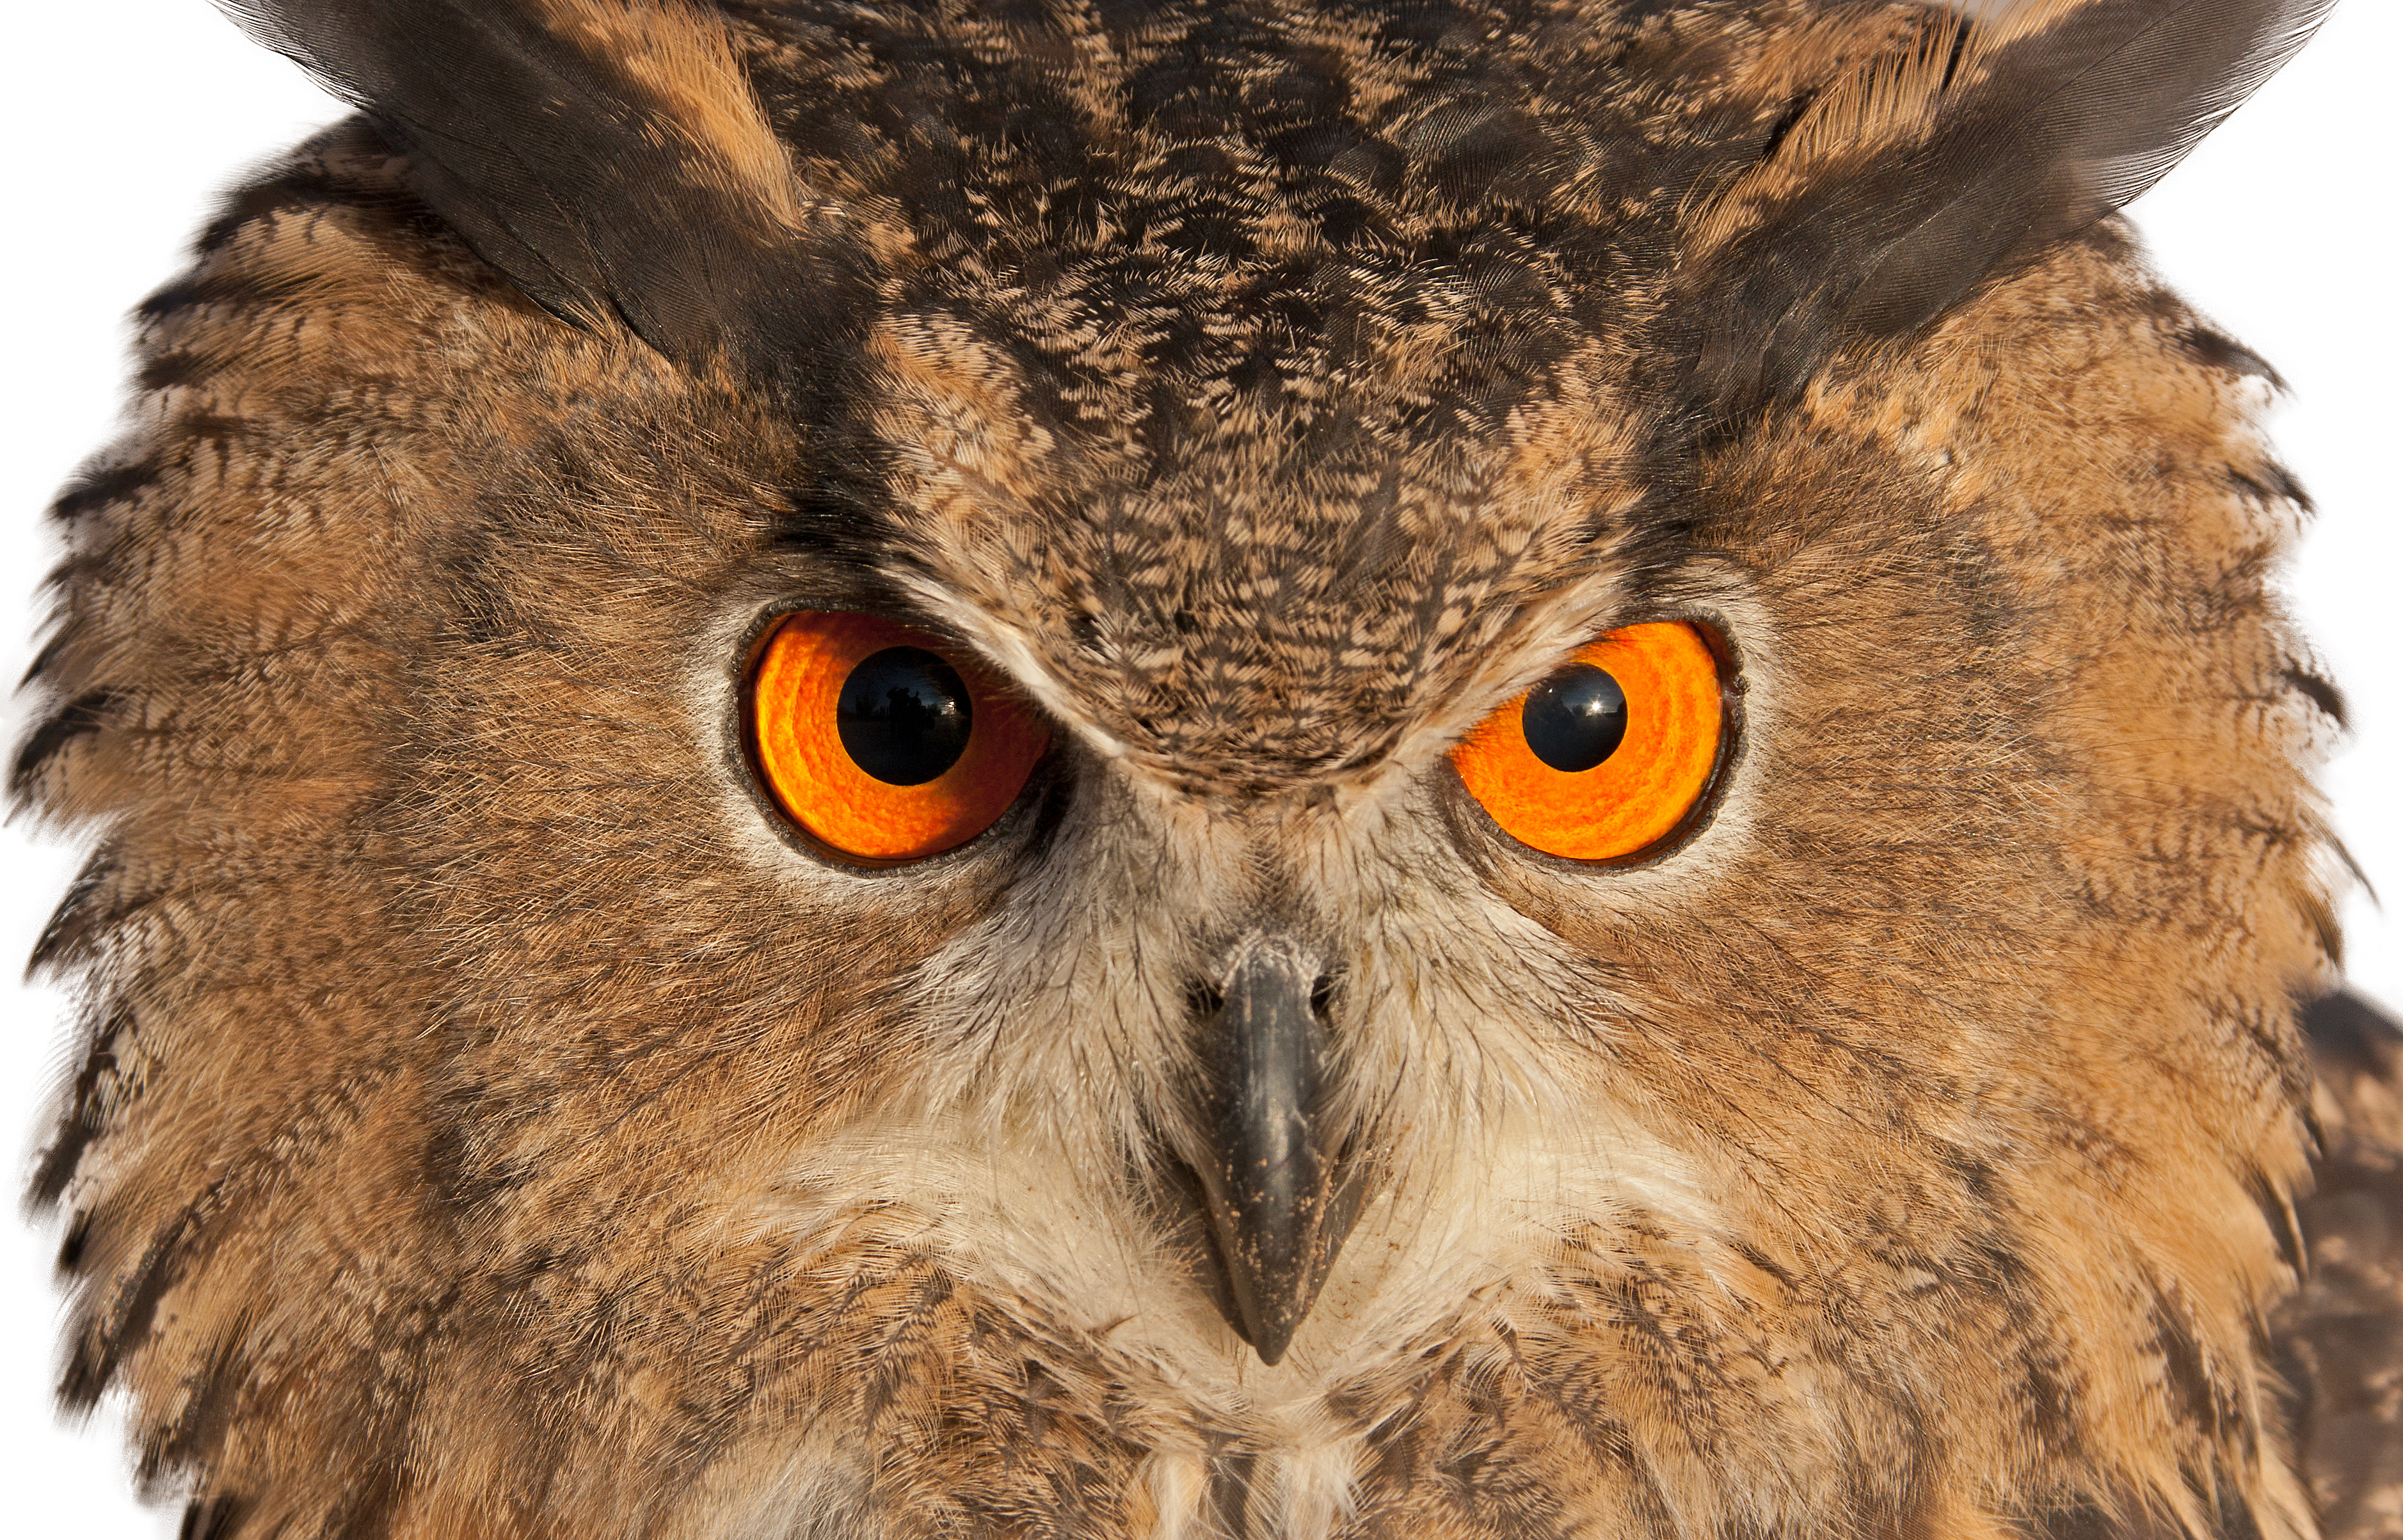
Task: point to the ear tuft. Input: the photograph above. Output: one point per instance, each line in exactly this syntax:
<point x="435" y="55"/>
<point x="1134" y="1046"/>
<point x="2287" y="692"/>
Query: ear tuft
<point x="609" y="156"/>
<point x="685" y="62"/>
<point x="1996" y="129"/>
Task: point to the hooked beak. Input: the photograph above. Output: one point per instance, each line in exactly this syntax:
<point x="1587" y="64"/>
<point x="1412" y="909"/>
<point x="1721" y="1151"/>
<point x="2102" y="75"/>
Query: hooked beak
<point x="1279" y="1198"/>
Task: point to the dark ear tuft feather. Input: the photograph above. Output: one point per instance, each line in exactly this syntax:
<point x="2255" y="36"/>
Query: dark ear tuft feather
<point x="607" y="155"/>
<point x="1907" y="184"/>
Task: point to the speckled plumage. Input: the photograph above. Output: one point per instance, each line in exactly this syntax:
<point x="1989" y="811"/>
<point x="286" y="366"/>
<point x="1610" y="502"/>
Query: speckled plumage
<point x="492" y="1125"/>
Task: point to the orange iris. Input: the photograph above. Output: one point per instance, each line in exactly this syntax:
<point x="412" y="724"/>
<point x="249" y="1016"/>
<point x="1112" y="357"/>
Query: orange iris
<point x="880" y="741"/>
<point x="1609" y="754"/>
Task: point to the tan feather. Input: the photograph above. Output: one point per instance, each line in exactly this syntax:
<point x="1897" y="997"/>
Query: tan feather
<point x="683" y="57"/>
<point x="495" y="1117"/>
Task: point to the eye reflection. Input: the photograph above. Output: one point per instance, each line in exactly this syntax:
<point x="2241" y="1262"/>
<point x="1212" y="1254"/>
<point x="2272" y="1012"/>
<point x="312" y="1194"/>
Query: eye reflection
<point x="1576" y="719"/>
<point x="904" y="716"/>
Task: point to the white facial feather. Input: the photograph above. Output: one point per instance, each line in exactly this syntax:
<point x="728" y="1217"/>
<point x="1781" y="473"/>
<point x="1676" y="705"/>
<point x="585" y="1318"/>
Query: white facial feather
<point x="1052" y="1038"/>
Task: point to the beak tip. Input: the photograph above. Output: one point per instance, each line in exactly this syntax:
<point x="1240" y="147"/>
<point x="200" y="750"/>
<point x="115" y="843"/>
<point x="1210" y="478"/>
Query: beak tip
<point x="1267" y="1297"/>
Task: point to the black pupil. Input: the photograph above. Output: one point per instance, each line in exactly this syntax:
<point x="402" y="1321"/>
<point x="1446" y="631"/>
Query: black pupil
<point x="904" y="716"/>
<point x="1575" y="719"/>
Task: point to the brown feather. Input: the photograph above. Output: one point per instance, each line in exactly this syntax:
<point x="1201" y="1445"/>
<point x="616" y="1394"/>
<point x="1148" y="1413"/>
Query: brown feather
<point x="493" y="1121"/>
<point x="610" y="158"/>
<point x="2342" y="1339"/>
<point x="1911" y="179"/>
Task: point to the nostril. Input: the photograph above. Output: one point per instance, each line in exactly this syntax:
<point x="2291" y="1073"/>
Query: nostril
<point x="1322" y="998"/>
<point x="1203" y="1000"/>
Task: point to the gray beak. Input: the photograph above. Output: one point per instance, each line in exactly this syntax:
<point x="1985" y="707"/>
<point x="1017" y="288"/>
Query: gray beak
<point x="1279" y="1201"/>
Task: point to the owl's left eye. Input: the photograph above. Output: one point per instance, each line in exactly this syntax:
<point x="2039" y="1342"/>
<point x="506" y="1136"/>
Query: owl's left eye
<point x="1608" y="757"/>
<point x="882" y="743"/>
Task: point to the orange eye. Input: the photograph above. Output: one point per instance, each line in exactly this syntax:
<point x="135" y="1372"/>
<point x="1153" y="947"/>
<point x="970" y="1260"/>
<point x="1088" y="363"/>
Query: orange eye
<point x="1608" y="755"/>
<point x="882" y="743"/>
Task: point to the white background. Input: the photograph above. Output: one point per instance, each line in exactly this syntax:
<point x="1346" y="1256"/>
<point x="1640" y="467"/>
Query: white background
<point x="121" y="120"/>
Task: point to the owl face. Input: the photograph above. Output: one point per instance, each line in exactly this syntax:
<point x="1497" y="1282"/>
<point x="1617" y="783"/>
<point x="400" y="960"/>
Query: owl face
<point x="1219" y="770"/>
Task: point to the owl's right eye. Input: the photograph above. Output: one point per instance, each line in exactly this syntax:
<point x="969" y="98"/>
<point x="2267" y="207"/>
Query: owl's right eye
<point x="881" y="743"/>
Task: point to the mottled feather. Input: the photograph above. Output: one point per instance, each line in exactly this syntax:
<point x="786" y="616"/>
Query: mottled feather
<point x="491" y="1121"/>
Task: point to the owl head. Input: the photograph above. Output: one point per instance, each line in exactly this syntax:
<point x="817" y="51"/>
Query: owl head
<point x="1244" y="770"/>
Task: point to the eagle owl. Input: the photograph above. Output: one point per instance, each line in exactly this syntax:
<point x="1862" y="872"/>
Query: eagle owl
<point x="1223" y="771"/>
